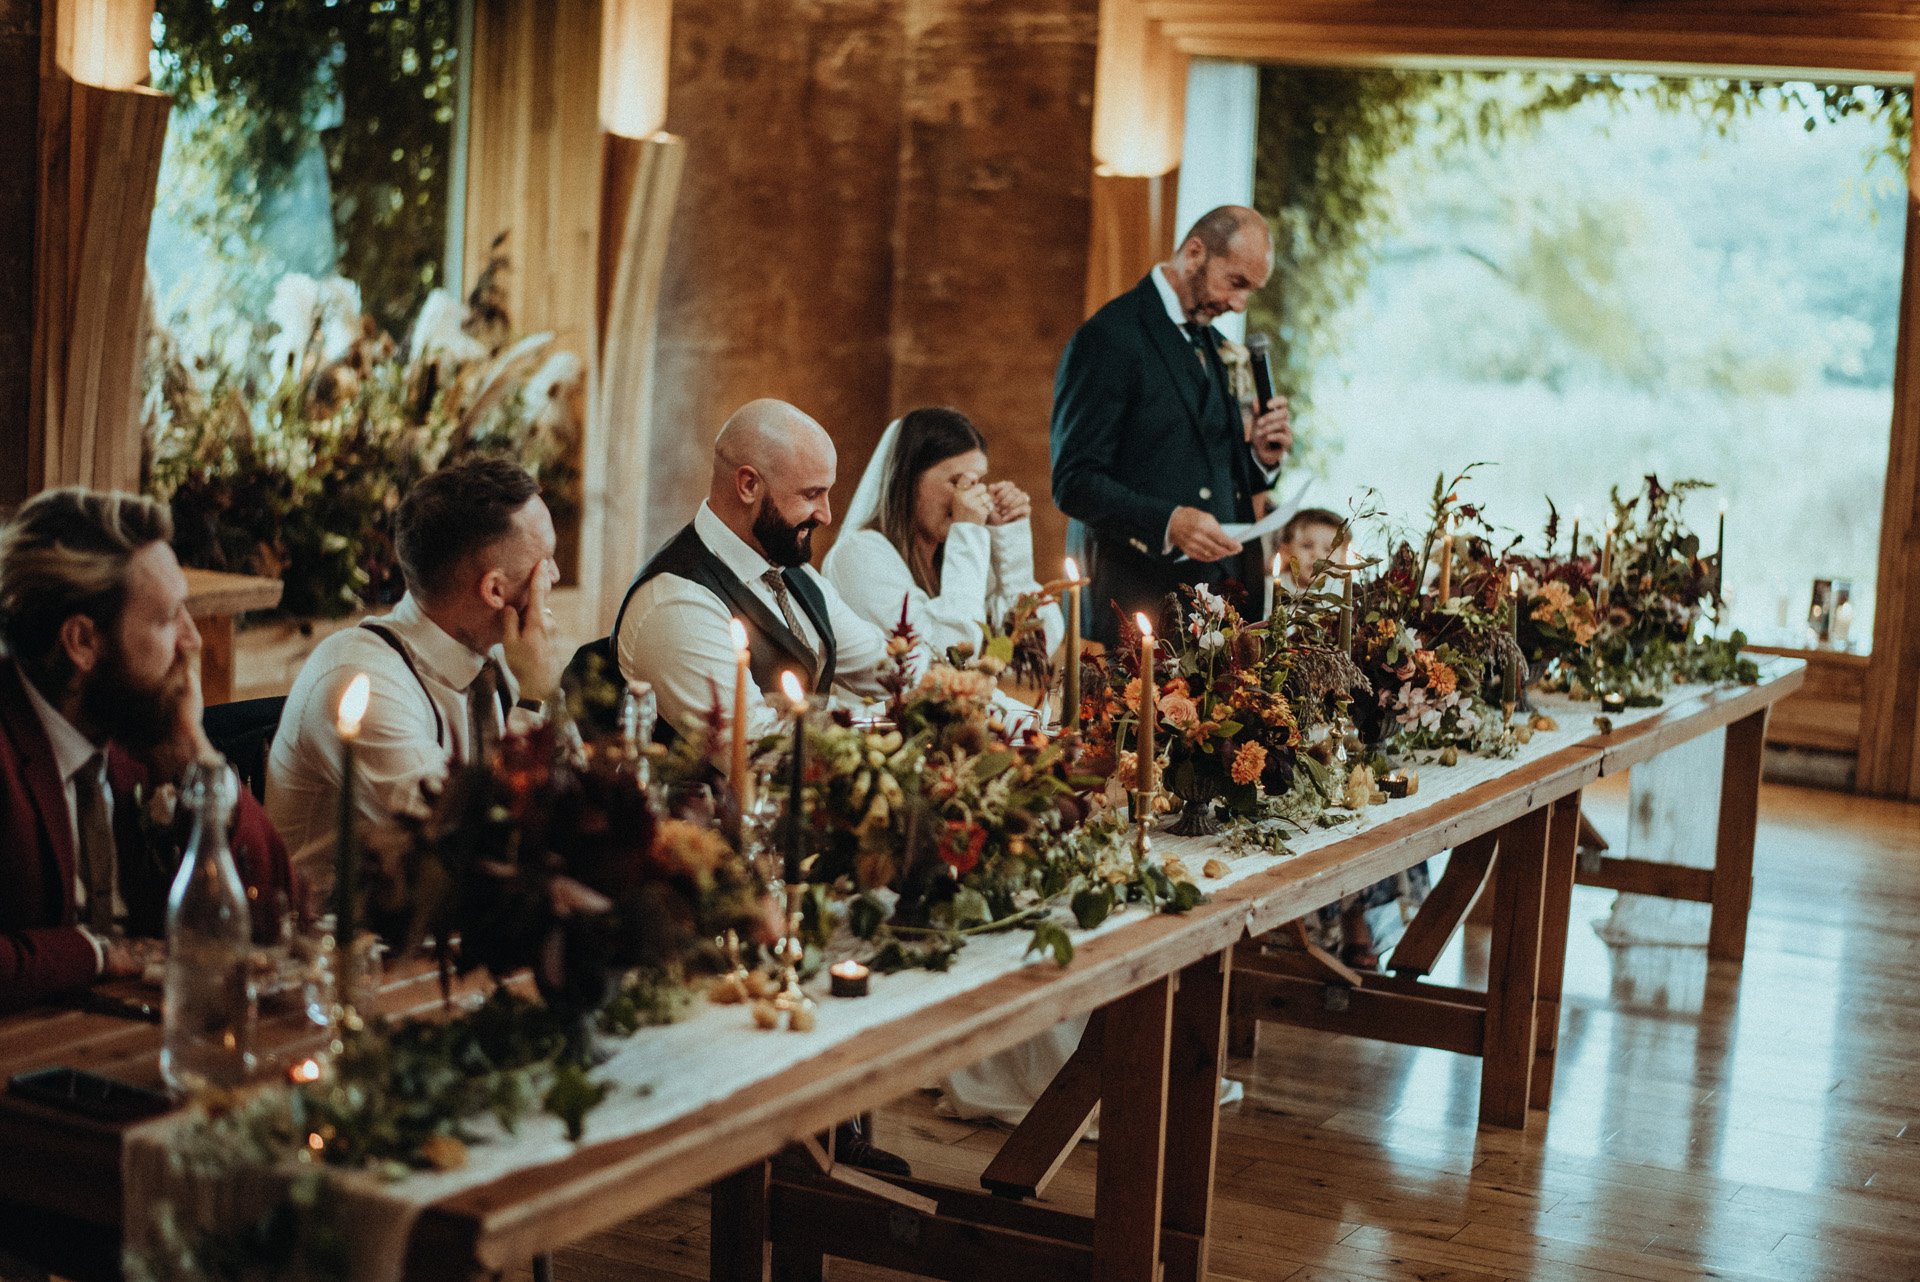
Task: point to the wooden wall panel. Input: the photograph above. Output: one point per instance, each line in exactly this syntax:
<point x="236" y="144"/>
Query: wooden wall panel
<point x="19" y="188"/>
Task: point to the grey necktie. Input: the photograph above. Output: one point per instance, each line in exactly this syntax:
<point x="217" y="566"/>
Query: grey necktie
<point x="96" y="842"/>
<point x="777" y="584"/>
<point x="483" y="712"/>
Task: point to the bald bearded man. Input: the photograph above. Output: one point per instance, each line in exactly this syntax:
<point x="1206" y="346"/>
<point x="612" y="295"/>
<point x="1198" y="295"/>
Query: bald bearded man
<point x="745" y="556"/>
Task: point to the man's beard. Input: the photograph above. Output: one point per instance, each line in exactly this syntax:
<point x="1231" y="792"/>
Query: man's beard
<point x="1205" y="306"/>
<point x="138" y="718"/>
<point x="784" y="544"/>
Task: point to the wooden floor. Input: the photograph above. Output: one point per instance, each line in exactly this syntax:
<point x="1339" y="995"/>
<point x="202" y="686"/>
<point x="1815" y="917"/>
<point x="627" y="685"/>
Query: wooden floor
<point x="1752" y="1122"/>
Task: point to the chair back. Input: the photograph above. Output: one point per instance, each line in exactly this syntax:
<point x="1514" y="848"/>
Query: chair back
<point x="243" y="732"/>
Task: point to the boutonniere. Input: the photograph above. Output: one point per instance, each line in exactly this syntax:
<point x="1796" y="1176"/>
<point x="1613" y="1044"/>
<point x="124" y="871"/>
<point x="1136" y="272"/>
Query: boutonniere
<point x="1239" y="369"/>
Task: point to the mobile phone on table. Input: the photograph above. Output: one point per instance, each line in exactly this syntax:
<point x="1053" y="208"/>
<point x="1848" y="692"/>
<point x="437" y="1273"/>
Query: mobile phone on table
<point x="90" y="1094"/>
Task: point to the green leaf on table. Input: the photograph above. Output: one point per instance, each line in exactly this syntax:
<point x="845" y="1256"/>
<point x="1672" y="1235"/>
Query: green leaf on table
<point x="572" y="1096"/>
<point x="1092" y="904"/>
<point x="1051" y="937"/>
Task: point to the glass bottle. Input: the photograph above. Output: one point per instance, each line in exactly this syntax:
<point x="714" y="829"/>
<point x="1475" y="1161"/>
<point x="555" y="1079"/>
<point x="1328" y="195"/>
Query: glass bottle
<point x="210" y="1004"/>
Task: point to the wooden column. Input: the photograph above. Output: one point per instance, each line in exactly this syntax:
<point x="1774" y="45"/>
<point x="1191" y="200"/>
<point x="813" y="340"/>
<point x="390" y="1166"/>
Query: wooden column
<point x="640" y="182"/>
<point x="1890" y="714"/>
<point x="737" y="1220"/>
<point x="98" y="166"/>
<point x="1132" y="230"/>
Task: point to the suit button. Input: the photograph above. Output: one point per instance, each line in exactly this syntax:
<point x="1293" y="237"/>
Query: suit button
<point x="1205" y="493"/>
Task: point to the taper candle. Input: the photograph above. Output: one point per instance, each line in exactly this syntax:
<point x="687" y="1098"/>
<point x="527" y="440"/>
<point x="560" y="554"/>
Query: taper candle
<point x="1346" y="612"/>
<point x="1446" y="558"/>
<point x="1573" y="549"/>
<point x="1720" y="556"/>
<point x="738" y="774"/>
<point x="346" y="880"/>
<point x="1149" y="705"/>
<point x="1070" y="680"/>
<point x="796" y="777"/>
<point x="1279" y="565"/>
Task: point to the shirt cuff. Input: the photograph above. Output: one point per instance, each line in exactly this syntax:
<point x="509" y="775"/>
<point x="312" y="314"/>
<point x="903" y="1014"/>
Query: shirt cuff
<point x="99" y="950"/>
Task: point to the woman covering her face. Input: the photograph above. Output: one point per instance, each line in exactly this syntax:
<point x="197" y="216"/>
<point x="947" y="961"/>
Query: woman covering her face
<point x="928" y="529"/>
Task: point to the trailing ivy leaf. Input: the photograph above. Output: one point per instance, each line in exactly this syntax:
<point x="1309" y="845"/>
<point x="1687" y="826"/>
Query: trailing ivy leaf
<point x="1050" y="937"/>
<point x="1184" y="895"/>
<point x="572" y="1096"/>
<point x="865" y="916"/>
<point x="1091" y="905"/>
<point x="970" y="908"/>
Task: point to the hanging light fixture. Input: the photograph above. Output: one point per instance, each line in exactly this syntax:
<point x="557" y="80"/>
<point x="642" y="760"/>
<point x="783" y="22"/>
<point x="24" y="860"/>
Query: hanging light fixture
<point x="635" y="43"/>
<point x="105" y="43"/>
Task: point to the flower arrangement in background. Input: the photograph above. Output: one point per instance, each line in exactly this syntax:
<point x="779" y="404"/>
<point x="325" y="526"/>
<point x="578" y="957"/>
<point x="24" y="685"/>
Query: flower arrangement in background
<point x="291" y="464"/>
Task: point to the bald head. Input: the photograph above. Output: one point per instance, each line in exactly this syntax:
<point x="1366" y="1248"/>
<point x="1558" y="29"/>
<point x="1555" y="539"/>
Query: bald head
<point x="1223" y="260"/>
<point x="772" y="468"/>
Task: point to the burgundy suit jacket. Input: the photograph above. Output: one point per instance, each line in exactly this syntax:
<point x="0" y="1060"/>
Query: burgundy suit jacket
<point x="42" y="950"/>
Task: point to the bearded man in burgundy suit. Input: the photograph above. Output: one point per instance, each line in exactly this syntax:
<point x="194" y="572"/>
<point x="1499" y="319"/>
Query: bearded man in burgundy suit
<point x="99" y="715"/>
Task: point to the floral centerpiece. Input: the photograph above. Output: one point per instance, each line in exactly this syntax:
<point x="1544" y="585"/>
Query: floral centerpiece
<point x="957" y="816"/>
<point x="288" y="459"/>
<point x="1437" y="648"/>
<point x="1651" y="591"/>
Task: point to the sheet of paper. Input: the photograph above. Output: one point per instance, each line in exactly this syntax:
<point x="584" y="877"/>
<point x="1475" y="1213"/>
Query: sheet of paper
<point x="1247" y="532"/>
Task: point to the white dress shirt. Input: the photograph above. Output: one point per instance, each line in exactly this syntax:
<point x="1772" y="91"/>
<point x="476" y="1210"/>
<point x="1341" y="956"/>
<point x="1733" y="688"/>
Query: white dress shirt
<point x="398" y="748"/>
<point x="984" y="570"/>
<point x="71" y="753"/>
<point x="676" y="636"/>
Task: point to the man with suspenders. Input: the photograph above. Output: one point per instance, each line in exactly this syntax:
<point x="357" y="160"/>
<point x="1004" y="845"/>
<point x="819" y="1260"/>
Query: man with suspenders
<point x="465" y="655"/>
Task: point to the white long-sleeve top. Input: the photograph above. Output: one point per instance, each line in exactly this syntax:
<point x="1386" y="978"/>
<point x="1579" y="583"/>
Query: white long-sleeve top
<point x="675" y="635"/>
<point x="983" y="572"/>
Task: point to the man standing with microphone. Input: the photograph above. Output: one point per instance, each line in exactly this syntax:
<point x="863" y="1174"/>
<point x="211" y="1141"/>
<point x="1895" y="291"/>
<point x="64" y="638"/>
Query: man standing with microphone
<point x="1151" y="456"/>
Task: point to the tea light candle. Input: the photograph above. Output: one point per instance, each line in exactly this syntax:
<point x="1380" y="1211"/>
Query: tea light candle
<point x="1399" y="783"/>
<point x="848" y="979"/>
<point x="1613" y="702"/>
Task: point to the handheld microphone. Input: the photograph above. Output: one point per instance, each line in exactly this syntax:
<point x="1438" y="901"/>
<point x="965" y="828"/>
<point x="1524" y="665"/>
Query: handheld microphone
<point x="1259" y="351"/>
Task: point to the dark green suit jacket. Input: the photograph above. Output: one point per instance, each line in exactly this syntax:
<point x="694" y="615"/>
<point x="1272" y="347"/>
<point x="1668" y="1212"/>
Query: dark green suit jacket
<point x="1141" y="426"/>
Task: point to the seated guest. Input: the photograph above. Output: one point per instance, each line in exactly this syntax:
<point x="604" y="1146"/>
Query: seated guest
<point x="927" y="529"/>
<point x="745" y="556"/>
<point x="466" y="654"/>
<point x="99" y="715"/>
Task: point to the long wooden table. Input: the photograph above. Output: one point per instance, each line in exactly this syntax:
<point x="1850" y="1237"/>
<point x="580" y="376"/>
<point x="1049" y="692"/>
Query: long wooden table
<point x="1159" y="983"/>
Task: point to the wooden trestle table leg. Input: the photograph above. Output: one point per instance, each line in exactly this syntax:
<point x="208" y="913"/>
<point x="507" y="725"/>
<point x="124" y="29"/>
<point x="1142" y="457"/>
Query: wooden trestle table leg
<point x="1193" y="1114"/>
<point x="1563" y="844"/>
<point x="1733" y="854"/>
<point x="737" y="1216"/>
<point x="1513" y="971"/>
<point x="1129" y="1177"/>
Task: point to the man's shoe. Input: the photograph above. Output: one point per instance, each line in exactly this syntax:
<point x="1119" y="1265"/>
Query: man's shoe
<point x="851" y="1145"/>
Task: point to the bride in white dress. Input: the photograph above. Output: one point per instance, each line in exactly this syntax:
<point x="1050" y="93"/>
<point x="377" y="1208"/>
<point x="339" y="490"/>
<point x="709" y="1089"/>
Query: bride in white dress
<point x="927" y="529"/>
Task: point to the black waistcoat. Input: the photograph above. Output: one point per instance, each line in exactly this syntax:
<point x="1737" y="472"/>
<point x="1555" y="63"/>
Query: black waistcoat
<point x="771" y="645"/>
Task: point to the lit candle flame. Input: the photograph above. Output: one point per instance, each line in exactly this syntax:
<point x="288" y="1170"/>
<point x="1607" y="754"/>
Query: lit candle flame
<point x="307" y="1070"/>
<point x="796" y="693"/>
<point x="1279" y="560"/>
<point x="1146" y="624"/>
<point x="739" y="631"/>
<point x="1072" y="569"/>
<point x="1723" y="507"/>
<point x="353" y="705"/>
<point x="1513" y="582"/>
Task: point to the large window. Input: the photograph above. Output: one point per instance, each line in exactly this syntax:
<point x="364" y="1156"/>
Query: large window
<point x="1580" y="280"/>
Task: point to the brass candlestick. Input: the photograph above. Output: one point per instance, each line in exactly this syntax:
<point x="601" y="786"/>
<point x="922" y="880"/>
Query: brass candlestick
<point x="1142" y="803"/>
<point x="736" y="983"/>
<point x="789" y="1000"/>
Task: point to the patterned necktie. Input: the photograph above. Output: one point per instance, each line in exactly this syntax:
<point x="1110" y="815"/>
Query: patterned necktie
<point x="483" y="711"/>
<point x="96" y="842"/>
<point x="777" y="583"/>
